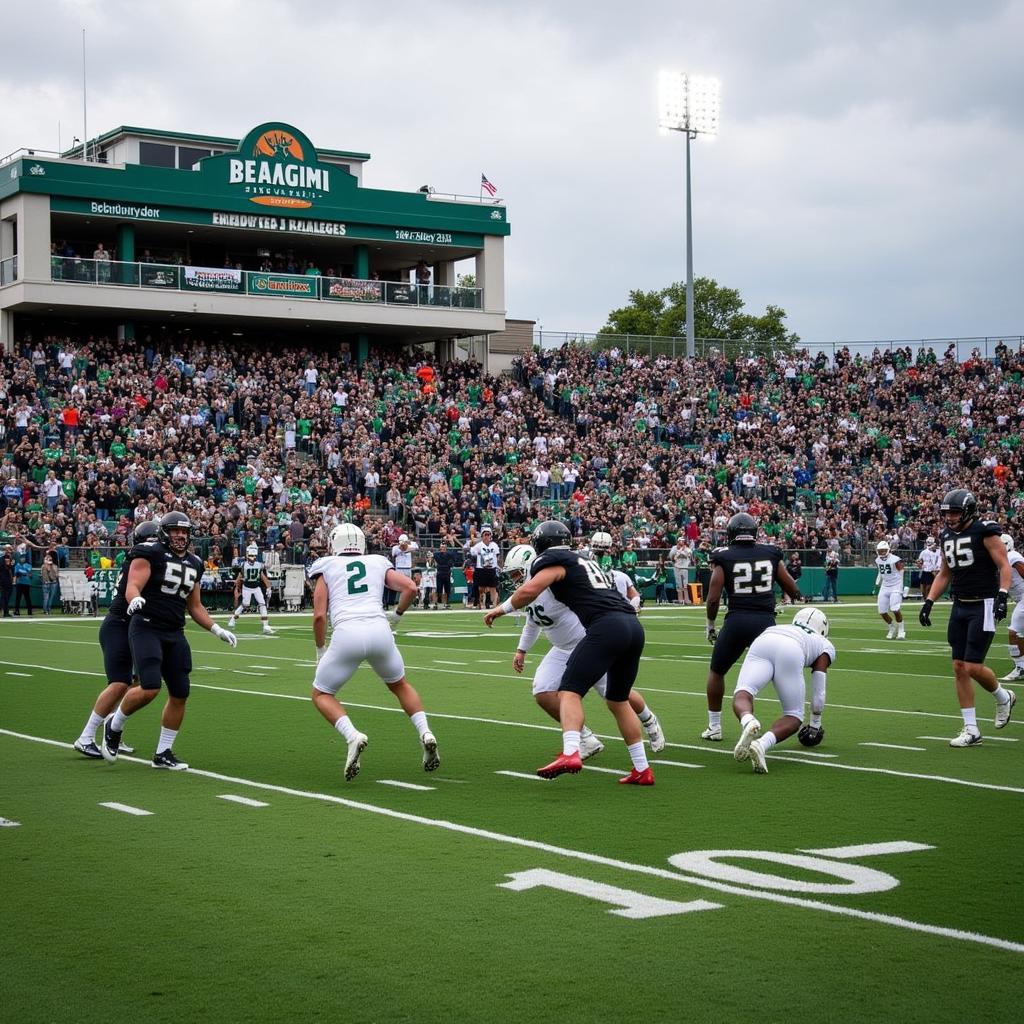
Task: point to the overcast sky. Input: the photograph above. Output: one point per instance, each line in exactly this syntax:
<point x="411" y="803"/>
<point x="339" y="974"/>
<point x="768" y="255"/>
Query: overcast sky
<point x="867" y="177"/>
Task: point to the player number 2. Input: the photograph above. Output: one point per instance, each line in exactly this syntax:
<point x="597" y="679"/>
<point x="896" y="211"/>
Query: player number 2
<point x="752" y="577"/>
<point x="356" y="574"/>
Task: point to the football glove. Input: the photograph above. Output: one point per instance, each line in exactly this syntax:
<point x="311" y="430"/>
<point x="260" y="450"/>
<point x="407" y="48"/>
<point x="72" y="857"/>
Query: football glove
<point x="136" y="604"/>
<point x="320" y="652"/>
<point x="710" y="632"/>
<point x="393" y="619"/>
<point x="222" y="634"/>
<point x="811" y="736"/>
<point x="999" y="607"/>
<point x="925" y="616"/>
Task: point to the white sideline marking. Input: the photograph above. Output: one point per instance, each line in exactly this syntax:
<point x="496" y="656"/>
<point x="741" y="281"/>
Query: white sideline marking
<point x="677" y="764"/>
<point x="406" y="785"/>
<point x="869" y="850"/>
<point x="994" y="739"/>
<point x="890" y="746"/>
<point x="242" y="800"/>
<point x="582" y="855"/>
<point x="524" y="775"/>
<point x="26" y="675"/>
<point x="125" y="809"/>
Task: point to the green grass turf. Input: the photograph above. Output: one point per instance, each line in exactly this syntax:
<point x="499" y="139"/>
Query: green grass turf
<point x="362" y="901"/>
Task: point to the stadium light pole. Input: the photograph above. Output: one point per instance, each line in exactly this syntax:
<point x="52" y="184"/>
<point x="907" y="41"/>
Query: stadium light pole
<point x="688" y="104"/>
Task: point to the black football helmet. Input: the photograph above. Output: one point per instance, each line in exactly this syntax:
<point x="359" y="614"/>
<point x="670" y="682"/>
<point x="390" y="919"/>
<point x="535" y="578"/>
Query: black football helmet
<point x="959" y="501"/>
<point x="742" y="529"/>
<point x="810" y="736"/>
<point x="146" y="532"/>
<point x="175" y="521"/>
<point x="551" y="534"/>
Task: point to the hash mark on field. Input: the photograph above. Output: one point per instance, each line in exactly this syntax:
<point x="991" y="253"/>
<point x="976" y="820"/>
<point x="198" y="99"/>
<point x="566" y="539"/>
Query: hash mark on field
<point x="438" y="661"/>
<point x="242" y="672"/>
<point x="125" y="809"/>
<point x="406" y="785"/>
<point x="523" y="775"/>
<point x="489" y="661"/>
<point x="27" y="675"/>
<point x="807" y="753"/>
<point x="677" y="764"/>
<point x="868" y="850"/>
<point x="242" y="800"/>
<point x="995" y="739"/>
<point x="891" y="746"/>
<point x="607" y="771"/>
<point x="269" y="668"/>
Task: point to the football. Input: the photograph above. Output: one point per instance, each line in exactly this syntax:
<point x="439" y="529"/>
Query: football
<point x="809" y="736"/>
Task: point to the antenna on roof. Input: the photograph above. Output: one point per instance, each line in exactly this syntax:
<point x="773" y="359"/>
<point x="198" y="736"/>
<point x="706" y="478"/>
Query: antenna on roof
<point x="85" y="109"/>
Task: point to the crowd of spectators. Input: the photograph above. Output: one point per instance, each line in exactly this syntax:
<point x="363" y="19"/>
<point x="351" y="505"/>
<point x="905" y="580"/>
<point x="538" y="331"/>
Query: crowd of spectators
<point x="277" y="446"/>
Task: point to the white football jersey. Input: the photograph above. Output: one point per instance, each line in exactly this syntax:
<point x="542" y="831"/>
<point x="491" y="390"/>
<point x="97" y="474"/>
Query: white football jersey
<point x="892" y="578"/>
<point x="931" y="560"/>
<point x="558" y="623"/>
<point x="355" y="585"/>
<point x="813" y="644"/>
<point x="622" y="582"/>
<point x="1016" y="581"/>
<point x="403" y="559"/>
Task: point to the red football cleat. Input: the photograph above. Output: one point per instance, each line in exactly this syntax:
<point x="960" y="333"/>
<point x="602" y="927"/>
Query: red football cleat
<point x="635" y="778"/>
<point x="563" y="763"/>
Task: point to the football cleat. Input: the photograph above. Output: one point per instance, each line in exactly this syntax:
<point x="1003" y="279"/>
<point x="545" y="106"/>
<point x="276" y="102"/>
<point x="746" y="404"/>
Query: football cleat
<point x="742" y="749"/>
<point x="589" y="746"/>
<point x="901" y="634"/>
<point x="966" y="739"/>
<point x="166" y="759"/>
<point x="431" y="758"/>
<point x="810" y="735"/>
<point x="267" y="631"/>
<point x="89" y="749"/>
<point x="655" y="734"/>
<point x="637" y="778"/>
<point x="1003" y="711"/>
<point x="757" y="758"/>
<point x="356" y="747"/>
<point x="571" y="763"/>
<point x="1014" y="674"/>
<point x="712" y="733"/>
<point x="111" y="742"/>
<point x="891" y="635"/>
<point x="231" y="622"/>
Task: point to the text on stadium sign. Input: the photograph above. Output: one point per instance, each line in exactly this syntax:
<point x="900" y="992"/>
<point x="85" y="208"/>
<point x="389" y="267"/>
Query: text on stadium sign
<point x="277" y="166"/>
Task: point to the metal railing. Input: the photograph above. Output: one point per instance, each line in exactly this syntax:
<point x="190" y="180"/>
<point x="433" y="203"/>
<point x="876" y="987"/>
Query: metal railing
<point x="228" y="280"/>
<point x="8" y="270"/>
<point x="730" y="348"/>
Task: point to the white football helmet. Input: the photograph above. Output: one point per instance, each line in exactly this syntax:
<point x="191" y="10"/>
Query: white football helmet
<point x="403" y="539"/>
<point x="882" y="547"/>
<point x="252" y="551"/>
<point x="1008" y="541"/>
<point x="601" y="541"/>
<point x="347" y="539"/>
<point x="518" y="560"/>
<point x="812" y="619"/>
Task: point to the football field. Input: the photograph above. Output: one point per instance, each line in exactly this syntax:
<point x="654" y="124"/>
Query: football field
<point x="875" y="877"/>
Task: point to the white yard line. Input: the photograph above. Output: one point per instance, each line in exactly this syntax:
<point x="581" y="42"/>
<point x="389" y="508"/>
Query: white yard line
<point x="591" y="858"/>
<point x="246" y="801"/>
<point x="125" y="809"/>
<point x="986" y="737"/>
<point x="406" y="785"/>
<point x="523" y="775"/>
<point x="890" y="746"/>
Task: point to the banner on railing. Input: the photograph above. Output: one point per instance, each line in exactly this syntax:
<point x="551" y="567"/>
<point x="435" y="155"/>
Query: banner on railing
<point x="283" y="284"/>
<point x="159" y="277"/>
<point x="205" y="279"/>
<point x="349" y="290"/>
<point x="403" y="293"/>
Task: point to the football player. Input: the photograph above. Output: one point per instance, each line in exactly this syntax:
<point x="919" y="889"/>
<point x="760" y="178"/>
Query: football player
<point x="974" y="560"/>
<point x="1016" y="560"/>
<point x="117" y="656"/>
<point x="349" y="585"/>
<point x="251" y="587"/>
<point x="163" y="583"/>
<point x="930" y="562"/>
<point x="563" y="630"/>
<point x="601" y="545"/>
<point x="487" y="554"/>
<point x="780" y="655"/>
<point x="747" y="573"/>
<point x="611" y="646"/>
<point x="889" y="581"/>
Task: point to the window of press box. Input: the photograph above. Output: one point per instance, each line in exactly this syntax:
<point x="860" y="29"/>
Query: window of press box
<point x="156" y="154"/>
<point x="188" y="157"/>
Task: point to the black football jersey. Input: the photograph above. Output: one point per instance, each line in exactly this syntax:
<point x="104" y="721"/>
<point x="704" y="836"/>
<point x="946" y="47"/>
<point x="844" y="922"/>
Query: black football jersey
<point x="119" y="606"/>
<point x="974" y="573"/>
<point x="751" y="571"/>
<point x="585" y="589"/>
<point x="171" y="580"/>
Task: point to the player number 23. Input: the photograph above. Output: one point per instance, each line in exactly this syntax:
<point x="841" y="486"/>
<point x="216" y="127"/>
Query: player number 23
<point x="752" y="577"/>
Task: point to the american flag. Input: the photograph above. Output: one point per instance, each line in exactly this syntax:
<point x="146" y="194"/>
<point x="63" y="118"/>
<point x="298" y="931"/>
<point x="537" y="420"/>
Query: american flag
<point x="484" y="183"/>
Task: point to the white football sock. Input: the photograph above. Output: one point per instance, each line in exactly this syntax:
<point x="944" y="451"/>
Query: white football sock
<point x="167" y="737"/>
<point x="637" y="756"/>
<point x="89" y="732"/>
<point x="1001" y="694"/>
<point x="419" y="721"/>
<point x="570" y="742"/>
<point x="746" y="719"/>
<point x="586" y="732"/>
<point x="646" y="715"/>
<point x="816" y="721"/>
<point x="768" y="740"/>
<point x="117" y="722"/>
<point x="714" y="719"/>
<point x="970" y="718"/>
<point x="346" y="728"/>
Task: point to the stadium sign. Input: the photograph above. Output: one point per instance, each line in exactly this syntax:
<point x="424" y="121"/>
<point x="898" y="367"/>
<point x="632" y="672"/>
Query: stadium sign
<point x="276" y="165"/>
<point x="283" y="284"/>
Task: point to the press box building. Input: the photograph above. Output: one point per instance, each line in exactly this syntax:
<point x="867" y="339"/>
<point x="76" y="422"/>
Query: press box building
<point x="263" y="238"/>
